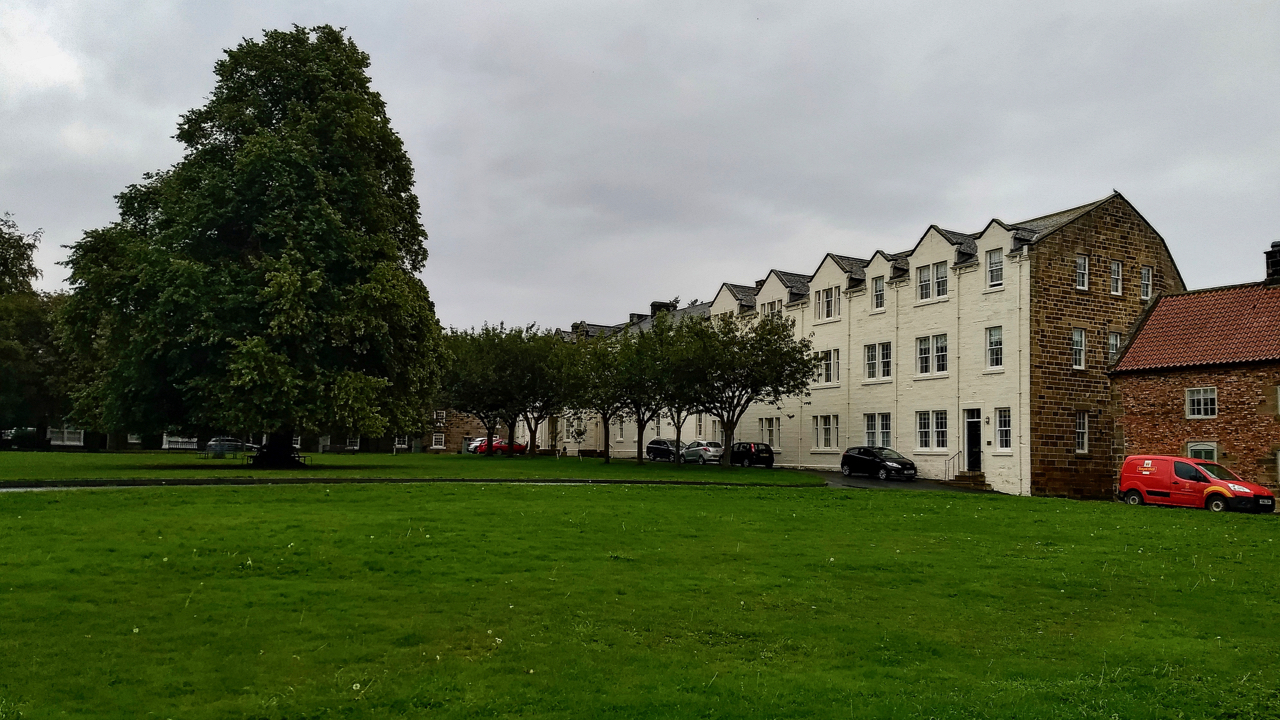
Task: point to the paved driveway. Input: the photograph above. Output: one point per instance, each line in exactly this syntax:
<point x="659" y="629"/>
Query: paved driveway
<point x="837" y="480"/>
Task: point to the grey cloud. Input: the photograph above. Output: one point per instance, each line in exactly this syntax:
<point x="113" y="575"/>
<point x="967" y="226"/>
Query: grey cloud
<point x="576" y="160"/>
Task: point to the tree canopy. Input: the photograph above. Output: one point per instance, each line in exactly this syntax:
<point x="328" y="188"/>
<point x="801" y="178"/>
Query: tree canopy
<point x="266" y="281"/>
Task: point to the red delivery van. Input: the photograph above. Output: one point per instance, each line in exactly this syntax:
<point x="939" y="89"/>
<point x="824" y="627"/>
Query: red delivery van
<point x="1188" y="482"/>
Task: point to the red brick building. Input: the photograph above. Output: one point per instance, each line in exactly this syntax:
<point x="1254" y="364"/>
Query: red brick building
<point x="1201" y="377"/>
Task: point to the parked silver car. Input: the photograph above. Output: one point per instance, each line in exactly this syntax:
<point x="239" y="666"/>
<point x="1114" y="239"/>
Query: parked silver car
<point x="703" y="452"/>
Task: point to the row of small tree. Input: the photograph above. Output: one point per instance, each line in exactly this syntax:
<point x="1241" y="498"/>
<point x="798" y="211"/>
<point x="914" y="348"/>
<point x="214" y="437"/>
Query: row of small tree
<point x="671" y="368"/>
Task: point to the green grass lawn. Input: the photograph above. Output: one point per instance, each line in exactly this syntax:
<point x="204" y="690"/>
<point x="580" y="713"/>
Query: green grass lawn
<point x="44" y="466"/>
<point x="459" y="601"/>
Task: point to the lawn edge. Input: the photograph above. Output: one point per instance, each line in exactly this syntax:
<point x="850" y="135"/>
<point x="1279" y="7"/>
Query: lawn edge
<point x="247" y="481"/>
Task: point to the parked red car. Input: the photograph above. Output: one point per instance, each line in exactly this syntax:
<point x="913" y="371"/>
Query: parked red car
<point x="1188" y="482"/>
<point x="499" y="447"/>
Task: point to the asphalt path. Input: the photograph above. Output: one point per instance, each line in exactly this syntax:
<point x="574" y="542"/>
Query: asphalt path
<point x="838" y="480"/>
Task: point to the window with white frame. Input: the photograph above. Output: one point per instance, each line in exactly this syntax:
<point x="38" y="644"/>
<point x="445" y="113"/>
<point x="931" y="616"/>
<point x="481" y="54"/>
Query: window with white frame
<point x="440" y="416"/>
<point x="1202" y="450"/>
<point x="1082" y="431"/>
<point x="924" y="282"/>
<point x="886" y="430"/>
<point x="773" y="308"/>
<point x="1077" y="348"/>
<point x="1004" y="428"/>
<point x="769" y="428"/>
<point x="931" y="354"/>
<point x="931" y="429"/>
<point x="437" y="441"/>
<point x="621" y="429"/>
<point x="699" y="425"/>
<point x="877" y="293"/>
<point x="1202" y="402"/>
<point x="717" y="430"/>
<point x="886" y="359"/>
<point x="995" y="268"/>
<point x="940" y="363"/>
<point x="1113" y="346"/>
<point x="873" y="428"/>
<point x="873" y="362"/>
<point x="826" y="303"/>
<point x="1082" y="272"/>
<point x="1145" y="291"/>
<point x="995" y="347"/>
<point x="940" y="279"/>
<point x="826" y="431"/>
<point x="828" y="366"/>
<point x="1117" y="272"/>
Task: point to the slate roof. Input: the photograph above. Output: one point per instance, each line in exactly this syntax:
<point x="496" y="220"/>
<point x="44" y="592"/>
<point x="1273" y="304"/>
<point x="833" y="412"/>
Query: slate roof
<point x="744" y="294"/>
<point x="852" y="265"/>
<point x="965" y="242"/>
<point x="1217" y="326"/>
<point x="701" y="309"/>
<point x="1045" y="224"/>
<point x="796" y="283"/>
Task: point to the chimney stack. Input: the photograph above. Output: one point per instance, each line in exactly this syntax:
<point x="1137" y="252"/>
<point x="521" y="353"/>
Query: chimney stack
<point x="656" y="307"/>
<point x="637" y="317"/>
<point x="1273" y="264"/>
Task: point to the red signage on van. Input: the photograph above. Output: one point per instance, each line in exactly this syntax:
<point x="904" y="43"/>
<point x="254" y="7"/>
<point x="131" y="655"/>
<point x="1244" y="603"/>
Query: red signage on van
<point x="1188" y="482"/>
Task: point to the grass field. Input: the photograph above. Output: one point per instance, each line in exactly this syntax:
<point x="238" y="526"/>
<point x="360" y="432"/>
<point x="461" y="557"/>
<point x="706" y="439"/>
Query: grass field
<point x="44" y="466"/>
<point x="460" y="601"/>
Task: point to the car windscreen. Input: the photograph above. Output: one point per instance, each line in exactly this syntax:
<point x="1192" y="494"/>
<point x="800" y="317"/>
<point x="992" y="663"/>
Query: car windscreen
<point x="1218" y="471"/>
<point x="889" y="454"/>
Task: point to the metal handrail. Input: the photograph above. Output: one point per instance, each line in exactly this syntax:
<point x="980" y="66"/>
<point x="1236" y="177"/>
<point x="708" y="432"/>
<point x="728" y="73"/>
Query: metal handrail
<point x="948" y="468"/>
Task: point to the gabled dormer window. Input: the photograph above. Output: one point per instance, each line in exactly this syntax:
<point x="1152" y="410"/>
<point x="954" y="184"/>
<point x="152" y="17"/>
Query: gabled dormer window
<point x="826" y="303"/>
<point x="877" y="293"/>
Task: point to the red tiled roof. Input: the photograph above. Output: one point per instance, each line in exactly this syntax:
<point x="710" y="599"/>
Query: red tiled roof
<point x="1208" y="327"/>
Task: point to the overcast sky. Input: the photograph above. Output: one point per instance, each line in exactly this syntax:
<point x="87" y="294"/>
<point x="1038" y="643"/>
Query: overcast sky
<point x="579" y="159"/>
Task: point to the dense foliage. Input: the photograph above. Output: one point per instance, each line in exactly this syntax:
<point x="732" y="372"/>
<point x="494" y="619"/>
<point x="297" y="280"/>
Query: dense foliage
<point x="32" y="373"/>
<point x="671" y="366"/>
<point x="266" y="281"/>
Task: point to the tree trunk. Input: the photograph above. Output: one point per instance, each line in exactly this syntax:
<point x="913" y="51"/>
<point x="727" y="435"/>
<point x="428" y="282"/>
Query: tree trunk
<point x="511" y="438"/>
<point x="640" y="440"/>
<point x="679" y="457"/>
<point x="726" y="459"/>
<point x="604" y="419"/>
<point x="279" y="452"/>
<point x="490" y="432"/>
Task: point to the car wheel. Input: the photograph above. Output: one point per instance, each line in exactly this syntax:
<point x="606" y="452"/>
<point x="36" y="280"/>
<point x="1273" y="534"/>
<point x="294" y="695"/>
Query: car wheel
<point x="650" y="456"/>
<point x="1215" y="503"/>
<point x="1133" y="497"/>
<point x="882" y="475"/>
<point x="746" y="462"/>
<point x="702" y="459"/>
<point x="846" y="470"/>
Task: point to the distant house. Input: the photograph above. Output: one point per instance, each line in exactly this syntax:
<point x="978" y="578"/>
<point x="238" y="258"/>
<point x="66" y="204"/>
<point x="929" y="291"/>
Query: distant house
<point x="1201" y="377"/>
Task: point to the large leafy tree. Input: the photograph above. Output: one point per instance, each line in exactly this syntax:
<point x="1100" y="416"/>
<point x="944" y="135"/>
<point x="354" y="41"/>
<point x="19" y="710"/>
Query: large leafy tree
<point x="266" y="282"/>
<point x="473" y="382"/>
<point x="746" y="362"/>
<point x="595" y="373"/>
<point x="31" y="369"/>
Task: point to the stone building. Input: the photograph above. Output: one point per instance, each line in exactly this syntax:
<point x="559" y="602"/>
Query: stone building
<point x="982" y="356"/>
<point x="1201" y="377"/>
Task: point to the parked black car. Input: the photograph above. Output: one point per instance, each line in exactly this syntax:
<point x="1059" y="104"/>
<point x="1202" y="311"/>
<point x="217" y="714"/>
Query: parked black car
<point x="881" y="463"/>
<point x="747" y="454"/>
<point x="659" y="449"/>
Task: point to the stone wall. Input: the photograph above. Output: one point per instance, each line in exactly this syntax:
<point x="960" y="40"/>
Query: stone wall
<point x="1246" y="430"/>
<point x="458" y="426"/>
<point x="1112" y="231"/>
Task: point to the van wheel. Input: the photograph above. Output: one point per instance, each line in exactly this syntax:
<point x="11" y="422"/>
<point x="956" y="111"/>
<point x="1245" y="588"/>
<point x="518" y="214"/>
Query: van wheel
<point x="1133" y="497"/>
<point x="1215" y="503"/>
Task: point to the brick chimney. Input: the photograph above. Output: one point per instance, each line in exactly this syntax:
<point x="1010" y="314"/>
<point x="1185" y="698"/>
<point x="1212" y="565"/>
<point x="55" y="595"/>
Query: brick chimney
<point x="656" y="307"/>
<point x="1273" y="264"/>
